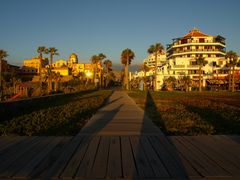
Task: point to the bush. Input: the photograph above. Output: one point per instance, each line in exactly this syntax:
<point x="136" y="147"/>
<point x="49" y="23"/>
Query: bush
<point x="192" y="113"/>
<point x="61" y="119"/>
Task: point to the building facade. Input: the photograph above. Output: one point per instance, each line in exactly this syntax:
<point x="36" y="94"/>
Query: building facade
<point x="181" y="55"/>
<point x="183" y="51"/>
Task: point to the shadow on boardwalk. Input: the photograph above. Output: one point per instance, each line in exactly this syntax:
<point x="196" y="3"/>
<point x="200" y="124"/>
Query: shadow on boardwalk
<point x="119" y="141"/>
<point x="155" y="156"/>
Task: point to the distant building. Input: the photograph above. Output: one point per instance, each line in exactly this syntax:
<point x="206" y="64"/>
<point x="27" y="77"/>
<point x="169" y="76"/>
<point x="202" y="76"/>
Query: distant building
<point x="77" y="69"/>
<point x="183" y="51"/>
<point x="73" y="59"/>
<point x="181" y="55"/>
<point x="59" y="63"/>
<point x="63" y="71"/>
<point x="150" y="60"/>
<point x="34" y="64"/>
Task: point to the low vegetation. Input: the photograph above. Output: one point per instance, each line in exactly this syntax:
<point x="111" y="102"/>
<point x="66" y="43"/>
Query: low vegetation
<point x="63" y="115"/>
<point x="192" y="113"/>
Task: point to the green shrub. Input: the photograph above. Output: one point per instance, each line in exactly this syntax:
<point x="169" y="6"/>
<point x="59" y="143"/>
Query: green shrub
<point x="61" y="119"/>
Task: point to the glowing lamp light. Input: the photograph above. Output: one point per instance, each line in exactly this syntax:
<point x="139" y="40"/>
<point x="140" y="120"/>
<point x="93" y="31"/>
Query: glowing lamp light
<point x="88" y="74"/>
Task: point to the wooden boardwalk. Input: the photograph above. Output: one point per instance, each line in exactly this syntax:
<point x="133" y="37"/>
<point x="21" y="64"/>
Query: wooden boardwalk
<point x="116" y="147"/>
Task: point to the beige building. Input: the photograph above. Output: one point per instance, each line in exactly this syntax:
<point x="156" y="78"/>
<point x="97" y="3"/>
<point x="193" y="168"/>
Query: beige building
<point x="150" y="60"/>
<point x="77" y="68"/>
<point x="34" y="63"/>
<point x="59" y="63"/>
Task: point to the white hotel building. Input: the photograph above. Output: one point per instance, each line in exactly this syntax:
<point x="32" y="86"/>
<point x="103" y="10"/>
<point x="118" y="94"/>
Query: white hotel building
<point x="181" y="55"/>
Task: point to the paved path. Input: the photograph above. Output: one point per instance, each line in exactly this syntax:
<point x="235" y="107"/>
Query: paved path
<point x="120" y="116"/>
<point x="120" y="142"/>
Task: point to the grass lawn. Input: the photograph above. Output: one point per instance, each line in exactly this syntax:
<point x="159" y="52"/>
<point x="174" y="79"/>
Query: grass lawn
<point x="192" y="113"/>
<point x="62" y="115"/>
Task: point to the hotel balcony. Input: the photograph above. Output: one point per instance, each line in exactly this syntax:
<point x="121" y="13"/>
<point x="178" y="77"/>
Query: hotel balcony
<point x="196" y="51"/>
<point x="178" y="66"/>
<point x="195" y="43"/>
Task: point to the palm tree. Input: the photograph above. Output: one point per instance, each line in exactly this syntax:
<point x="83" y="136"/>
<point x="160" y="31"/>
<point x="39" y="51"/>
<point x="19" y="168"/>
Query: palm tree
<point x="155" y="49"/>
<point x="3" y="55"/>
<point x="107" y="64"/>
<point x="126" y="57"/>
<point x="200" y="61"/>
<point x="52" y="51"/>
<point x="233" y="62"/>
<point x="57" y="77"/>
<point x="101" y="57"/>
<point x="95" y="61"/>
<point x="170" y="82"/>
<point x="145" y="69"/>
<point x="41" y="50"/>
<point x="185" y="82"/>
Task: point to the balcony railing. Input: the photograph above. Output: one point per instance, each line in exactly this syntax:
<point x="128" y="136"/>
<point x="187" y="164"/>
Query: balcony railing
<point x="200" y="42"/>
<point x="198" y="50"/>
<point x="192" y="66"/>
<point x="178" y="66"/>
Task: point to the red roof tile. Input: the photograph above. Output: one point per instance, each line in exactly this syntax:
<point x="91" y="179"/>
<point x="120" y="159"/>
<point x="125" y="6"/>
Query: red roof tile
<point x="195" y="33"/>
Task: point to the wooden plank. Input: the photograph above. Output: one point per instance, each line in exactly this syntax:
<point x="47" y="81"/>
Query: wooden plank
<point x="10" y="155"/>
<point x="169" y="156"/>
<point x="99" y="169"/>
<point x="128" y="163"/>
<point x="88" y="160"/>
<point x="143" y="166"/>
<point x="25" y="158"/>
<point x="6" y="142"/>
<point x="42" y="169"/>
<point x="235" y="138"/>
<point x="228" y="145"/>
<point x="213" y="153"/>
<point x="65" y="157"/>
<point x="201" y="162"/>
<point x="219" y="149"/>
<point x="76" y="159"/>
<point x="41" y="152"/>
<point x="153" y="159"/>
<point x="114" y="162"/>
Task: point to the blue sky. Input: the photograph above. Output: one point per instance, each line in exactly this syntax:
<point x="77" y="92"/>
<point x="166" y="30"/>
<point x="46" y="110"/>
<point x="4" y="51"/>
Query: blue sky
<point x="89" y="27"/>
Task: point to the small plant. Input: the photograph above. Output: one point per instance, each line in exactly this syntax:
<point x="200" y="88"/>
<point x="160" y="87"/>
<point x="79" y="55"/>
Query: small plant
<point x="192" y="113"/>
<point x="59" y="119"/>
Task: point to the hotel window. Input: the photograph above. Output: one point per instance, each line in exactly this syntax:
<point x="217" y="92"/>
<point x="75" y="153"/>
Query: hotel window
<point x="201" y="40"/>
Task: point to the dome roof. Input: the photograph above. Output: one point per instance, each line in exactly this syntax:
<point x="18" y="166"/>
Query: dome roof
<point x="73" y="55"/>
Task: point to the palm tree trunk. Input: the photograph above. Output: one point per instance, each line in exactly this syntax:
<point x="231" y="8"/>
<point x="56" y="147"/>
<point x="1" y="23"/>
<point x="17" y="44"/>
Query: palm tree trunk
<point x="126" y="76"/>
<point x="233" y="83"/>
<point x="50" y="75"/>
<point x="155" y="82"/>
<point x="229" y="79"/>
<point x="200" y="79"/>
<point x="145" y="85"/>
<point x="107" y="76"/>
<point x="40" y="73"/>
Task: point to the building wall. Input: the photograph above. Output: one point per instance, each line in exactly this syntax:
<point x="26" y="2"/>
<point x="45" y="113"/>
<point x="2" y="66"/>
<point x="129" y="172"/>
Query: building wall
<point x="60" y="63"/>
<point x="35" y="63"/>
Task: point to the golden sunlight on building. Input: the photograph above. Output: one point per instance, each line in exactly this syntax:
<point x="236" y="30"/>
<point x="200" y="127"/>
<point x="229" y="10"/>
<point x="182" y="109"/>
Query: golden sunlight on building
<point x="181" y="55"/>
<point x="34" y="63"/>
<point x="77" y="69"/>
<point x="59" y="63"/>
